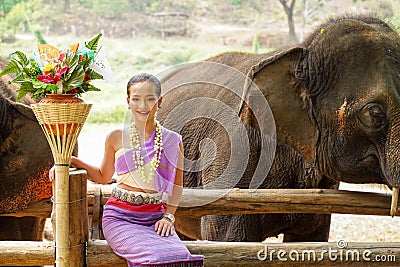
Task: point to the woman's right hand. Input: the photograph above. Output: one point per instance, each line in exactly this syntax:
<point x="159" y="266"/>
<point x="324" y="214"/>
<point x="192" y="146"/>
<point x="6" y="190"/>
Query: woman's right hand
<point x="52" y="173"/>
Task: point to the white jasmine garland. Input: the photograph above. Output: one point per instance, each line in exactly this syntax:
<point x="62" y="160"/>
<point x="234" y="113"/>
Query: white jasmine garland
<point x="137" y="155"/>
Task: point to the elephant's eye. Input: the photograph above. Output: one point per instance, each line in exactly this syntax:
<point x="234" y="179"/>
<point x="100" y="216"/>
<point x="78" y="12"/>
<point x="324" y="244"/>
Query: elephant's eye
<point x="373" y="116"/>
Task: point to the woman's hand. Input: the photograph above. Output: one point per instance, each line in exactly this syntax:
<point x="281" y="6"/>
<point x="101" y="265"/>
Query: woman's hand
<point x="164" y="227"/>
<point x="52" y="173"/>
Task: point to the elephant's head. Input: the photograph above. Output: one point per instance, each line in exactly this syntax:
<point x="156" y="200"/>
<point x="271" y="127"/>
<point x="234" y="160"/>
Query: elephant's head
<point x="336" y="99"/>
<point x="25" y="157"/>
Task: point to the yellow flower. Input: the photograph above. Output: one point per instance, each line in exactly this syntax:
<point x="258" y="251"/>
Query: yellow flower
<point x="49" y="67"/>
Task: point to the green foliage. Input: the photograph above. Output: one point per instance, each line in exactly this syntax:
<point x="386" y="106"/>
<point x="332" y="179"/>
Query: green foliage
<point x="256" y="44"/>
<point x="39" y="37"/>
<point x="142" y="5"/>
<point x="24" y="14"/>
<point x="236" y="2"/>
<point x="7" y="5"/>
<point x="178" y="57"/>
<point x="114" y="114"/>
<point x="109" y="9"/>
<point x="172" y="6"/>
<point x="92" y="44"/>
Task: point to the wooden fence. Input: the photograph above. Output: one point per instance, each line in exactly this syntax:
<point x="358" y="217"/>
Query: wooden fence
<point x="235" y="201"/>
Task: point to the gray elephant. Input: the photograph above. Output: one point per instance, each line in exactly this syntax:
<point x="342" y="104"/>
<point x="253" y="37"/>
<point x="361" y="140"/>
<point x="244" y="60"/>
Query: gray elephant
<point x="25" y="159"/>
<point x="335" y="99"/>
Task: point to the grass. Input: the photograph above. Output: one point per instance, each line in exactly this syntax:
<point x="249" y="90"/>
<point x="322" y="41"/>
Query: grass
<point x="127" y="57"/>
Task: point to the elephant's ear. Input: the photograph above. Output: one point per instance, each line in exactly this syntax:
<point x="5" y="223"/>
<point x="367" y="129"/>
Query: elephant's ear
<point x="24" y="110"/>
<point x="288" y="100"/>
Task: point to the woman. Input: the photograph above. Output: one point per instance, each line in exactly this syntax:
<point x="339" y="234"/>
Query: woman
<point x="148" y="161"/>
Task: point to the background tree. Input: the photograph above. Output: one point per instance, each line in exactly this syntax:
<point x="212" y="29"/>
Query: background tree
<point x="289" y="7"/>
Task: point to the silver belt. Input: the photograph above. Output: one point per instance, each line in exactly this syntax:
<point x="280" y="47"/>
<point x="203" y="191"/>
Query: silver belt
<point x="133" y="197"/>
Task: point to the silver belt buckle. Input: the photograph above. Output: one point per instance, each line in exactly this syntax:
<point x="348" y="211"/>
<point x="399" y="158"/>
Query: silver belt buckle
<point x="130" y="197"/>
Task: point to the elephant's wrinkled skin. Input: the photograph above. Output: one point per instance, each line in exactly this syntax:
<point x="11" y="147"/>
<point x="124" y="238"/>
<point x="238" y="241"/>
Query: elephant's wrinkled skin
<point x="25" y="159"/>
<point x="336" y="104"/>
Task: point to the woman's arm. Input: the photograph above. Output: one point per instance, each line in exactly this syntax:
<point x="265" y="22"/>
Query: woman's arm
<point x="103" y="174"/>
<point x="164" y="226"/>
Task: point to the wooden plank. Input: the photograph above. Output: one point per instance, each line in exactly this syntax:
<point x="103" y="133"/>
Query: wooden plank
<point x="31" y="253"/>
<point x="282" y="254"/>
<point x="26" y="253"/>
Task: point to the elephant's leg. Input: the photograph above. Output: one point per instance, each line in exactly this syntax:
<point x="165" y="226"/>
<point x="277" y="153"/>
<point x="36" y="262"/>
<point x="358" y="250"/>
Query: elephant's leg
<point x="188" y="228"/>
<point x="240" y="228"/>
<point x="21" y="228"/>
<point x="310" y="228"/>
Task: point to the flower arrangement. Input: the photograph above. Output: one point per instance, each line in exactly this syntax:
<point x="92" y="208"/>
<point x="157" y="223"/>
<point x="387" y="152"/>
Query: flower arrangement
<point x="54" y="71"/>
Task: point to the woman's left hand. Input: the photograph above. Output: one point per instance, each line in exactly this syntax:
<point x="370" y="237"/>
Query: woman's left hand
<point x="164" y="227"/>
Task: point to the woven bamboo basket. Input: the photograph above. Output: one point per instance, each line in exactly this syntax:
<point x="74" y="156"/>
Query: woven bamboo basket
<point x="61" y="124"/>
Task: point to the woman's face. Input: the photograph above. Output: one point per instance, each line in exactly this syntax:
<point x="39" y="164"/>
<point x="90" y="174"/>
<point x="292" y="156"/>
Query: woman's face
<point x="143" y="101"/>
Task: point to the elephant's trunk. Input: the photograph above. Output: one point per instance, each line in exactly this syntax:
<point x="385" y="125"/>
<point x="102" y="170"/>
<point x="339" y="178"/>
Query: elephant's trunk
<point x="392" y="166"/>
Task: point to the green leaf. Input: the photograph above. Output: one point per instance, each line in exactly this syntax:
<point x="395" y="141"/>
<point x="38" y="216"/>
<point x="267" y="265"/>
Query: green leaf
<point x="21" y="94"/>
<point x="19" y="78"/>
<point x="92" y="44"/>
<point x="12" y="67"/>
<point x="75" y="79"/>
<point x="93" y="74"/>
<point x="39" y="84"/>
<point x="22" y="57"/>
<point x="88" y="87"/>
<point x="26" y="87"/>
<point x="86" y="61"/>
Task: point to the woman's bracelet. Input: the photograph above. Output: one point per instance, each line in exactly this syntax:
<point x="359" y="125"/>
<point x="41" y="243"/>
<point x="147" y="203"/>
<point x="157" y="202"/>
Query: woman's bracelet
<point x="170" y="217"/>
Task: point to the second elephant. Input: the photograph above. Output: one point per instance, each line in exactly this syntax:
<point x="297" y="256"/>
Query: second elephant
<point x="335" y="99"/>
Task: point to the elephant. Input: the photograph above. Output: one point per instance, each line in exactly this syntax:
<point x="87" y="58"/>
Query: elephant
<point x="335" y="101"/>
<point x="25" y="159"/>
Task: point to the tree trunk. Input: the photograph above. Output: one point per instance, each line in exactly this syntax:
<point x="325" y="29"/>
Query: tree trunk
<point x="289" y="12"/>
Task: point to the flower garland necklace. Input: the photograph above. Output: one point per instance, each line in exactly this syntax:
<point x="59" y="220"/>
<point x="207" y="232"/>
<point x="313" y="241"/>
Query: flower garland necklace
<point x="137" y="155"/>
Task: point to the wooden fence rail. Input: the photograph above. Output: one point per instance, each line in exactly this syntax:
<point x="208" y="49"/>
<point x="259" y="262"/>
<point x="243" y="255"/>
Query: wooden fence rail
<point x="99" y="254"/>
<point x="247" y="201"/>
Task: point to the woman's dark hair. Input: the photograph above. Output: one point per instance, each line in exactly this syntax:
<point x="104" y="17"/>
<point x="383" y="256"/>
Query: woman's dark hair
<point x="145" y="77"/>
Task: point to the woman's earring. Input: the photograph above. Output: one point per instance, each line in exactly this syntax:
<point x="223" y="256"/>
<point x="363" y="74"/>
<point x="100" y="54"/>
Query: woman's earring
<point x="159" y="105"/>
<point x="129" y="107"/>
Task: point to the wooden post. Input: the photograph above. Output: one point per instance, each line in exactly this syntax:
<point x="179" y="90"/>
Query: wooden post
<point x="78" y="218"/>
<point x="61" y="123"/>
<point x="74" y="238"/>
<point x="61" y="200"/>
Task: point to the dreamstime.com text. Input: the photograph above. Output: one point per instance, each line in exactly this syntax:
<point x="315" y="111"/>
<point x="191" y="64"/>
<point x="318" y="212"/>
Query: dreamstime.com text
<point x="339" y="253"/>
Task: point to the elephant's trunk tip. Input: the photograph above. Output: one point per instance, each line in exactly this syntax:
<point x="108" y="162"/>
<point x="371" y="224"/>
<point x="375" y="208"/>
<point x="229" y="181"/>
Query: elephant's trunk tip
<point x="395" y="199"/>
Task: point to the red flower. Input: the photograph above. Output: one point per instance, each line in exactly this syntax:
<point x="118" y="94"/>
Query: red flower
<point x="61" y="56"/>
<point x="49" y="79"/>
<point x="74" y="91"/>
<point x="86" y="78"/>
<point x="61" y="71"/>
<point x="45" y="78"/>
<point x="56" y="79"/>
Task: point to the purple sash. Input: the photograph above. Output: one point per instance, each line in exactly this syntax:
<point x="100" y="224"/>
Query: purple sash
<point x="165" y="174"/>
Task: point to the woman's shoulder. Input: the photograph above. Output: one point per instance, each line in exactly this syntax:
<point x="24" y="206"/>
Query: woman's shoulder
<point x="114" y="138"/>
<point x="116" y="133"/>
